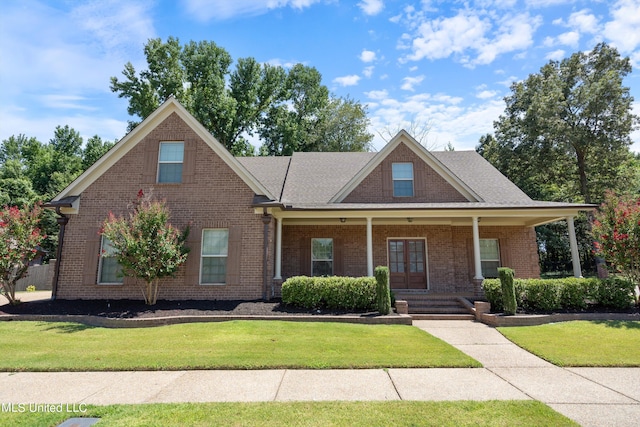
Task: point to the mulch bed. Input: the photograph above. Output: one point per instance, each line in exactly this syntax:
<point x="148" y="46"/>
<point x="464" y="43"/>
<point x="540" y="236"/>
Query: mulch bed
<point x="131" y="309"/>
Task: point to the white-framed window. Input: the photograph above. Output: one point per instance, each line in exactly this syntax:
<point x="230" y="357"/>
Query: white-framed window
<point x="170" y="160"/>
<point x="213" y="262"/>
<point x="402" y="175"/>
<point x="489" y="257"/>
<point x="322" y="257"/>
<point x="109" y="270"/>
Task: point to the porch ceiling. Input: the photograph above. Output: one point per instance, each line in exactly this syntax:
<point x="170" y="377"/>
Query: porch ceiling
<point x="529" y="217"/>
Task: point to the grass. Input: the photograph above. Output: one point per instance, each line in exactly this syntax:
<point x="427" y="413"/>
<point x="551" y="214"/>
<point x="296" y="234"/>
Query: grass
<point x="399" y="413"/>
<point x="42" y="346"/>
<point x="581" y="343"/>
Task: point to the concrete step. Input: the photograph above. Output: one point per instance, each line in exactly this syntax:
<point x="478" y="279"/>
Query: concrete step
<point x="433" y="316"/>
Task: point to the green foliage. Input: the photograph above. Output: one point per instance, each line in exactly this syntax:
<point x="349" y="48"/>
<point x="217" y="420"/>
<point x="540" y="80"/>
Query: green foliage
<point x="19" y="237"/>
<point x="147" y="246"/>
<point x="383" y="293"/>
<point x="509" y="302"/>
<point x="290" y="110"/>
<point x="343" y="293"/>
<point x="616" y="230"/>
<point x="568" y="293"/>
<point x="615" y="293"/>
<point x="31" y="288"/>
<point x="565" y="136"/>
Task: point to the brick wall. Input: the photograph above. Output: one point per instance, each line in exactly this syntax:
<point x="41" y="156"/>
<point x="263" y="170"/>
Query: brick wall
<point x="429" y="187"/>
<point x="449" y="250"/>
<point x="215" y="197"/>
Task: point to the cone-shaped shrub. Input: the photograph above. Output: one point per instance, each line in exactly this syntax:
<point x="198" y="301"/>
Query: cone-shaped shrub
<point x="383" y="294"/>
<point x="508" y="291"/>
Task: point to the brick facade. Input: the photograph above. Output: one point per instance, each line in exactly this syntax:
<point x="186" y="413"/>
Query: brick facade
<point x="448" y="250"/>
<point x="429" y="186"/>
<point x="219" y="199"/>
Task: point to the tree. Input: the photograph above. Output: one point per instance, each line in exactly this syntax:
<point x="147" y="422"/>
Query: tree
<point x="147" y="246"/>
<point x="565" y="135"/>
<point x="19" y="238"/>
<point x="94" y="149"/>
<point x="571" y="123"/>
<point x="281" y="107"/>
<point x="616" y="230"/>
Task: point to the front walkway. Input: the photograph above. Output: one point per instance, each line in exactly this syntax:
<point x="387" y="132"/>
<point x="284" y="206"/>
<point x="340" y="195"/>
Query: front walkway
<point x="590" y="396"/>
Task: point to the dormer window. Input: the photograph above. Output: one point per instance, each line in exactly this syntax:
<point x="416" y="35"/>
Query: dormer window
<point x="170" y="162"/>
<point x="402" y="174"/>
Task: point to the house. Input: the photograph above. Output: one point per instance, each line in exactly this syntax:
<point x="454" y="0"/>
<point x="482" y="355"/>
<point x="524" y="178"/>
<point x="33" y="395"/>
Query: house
<point x="441" y="221"/>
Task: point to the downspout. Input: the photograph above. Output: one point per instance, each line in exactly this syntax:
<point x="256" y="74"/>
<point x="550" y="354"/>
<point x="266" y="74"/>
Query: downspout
<point x="62" y="222"/>
<point x="266" y="220"/>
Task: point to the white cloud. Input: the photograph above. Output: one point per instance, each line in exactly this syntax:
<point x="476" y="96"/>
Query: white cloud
<point x="570" y="38"/>
<point x="584" y="22"/>
<point x="623" y="29"/>
<point x="367" y="56"/>
<point x="486" y="94"/>
<point x="377" y="94"/>
<point x="443" y="37"/>
<point x="371" y="7"/>
<point x="556" y="55"/>
<point x="368" y="71"/>
<point x="410" y="82"/>
<point x="351" y="80"/>
<point x="205" y="10"/>
<point x="473" y="37"/>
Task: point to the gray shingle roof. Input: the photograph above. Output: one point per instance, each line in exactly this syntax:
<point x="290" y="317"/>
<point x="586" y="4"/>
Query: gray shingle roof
<point x="310" y="180"/>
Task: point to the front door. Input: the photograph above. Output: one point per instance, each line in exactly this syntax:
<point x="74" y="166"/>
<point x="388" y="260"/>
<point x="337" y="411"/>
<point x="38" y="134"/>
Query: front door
<point x="407" y="264"/>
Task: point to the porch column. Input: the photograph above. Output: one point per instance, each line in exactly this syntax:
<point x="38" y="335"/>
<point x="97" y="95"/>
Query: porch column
<point x="369" y="248"/>
<point x="476" y="250"/>
<point x="278" y="271"/>
<point x="573" y="242"/>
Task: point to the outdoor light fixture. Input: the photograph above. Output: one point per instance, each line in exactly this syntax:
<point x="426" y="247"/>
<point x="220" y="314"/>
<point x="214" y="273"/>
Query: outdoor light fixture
<point x="409" y="219"/>
<point x="343" y="219"/>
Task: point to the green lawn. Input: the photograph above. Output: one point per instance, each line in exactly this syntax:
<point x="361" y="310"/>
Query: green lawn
<point x="42" y="346"/>
<point x="581" y="343"/>
<point x="399" y="413"/>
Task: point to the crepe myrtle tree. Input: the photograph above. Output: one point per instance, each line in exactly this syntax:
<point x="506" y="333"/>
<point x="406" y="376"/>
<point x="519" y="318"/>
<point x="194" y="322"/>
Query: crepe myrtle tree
<point x="616" y="231"/>
<point x="146" y="245"/>
<point x="19" y="238"/>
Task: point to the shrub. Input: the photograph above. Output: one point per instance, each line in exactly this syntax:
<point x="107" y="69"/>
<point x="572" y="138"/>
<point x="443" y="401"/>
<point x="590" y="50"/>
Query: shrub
<point x="568" y="293"/>
<point x="31" y="288"/>
<point x="541" y="295"/>
<point x="615" y="293"/>
<point x="508" y="291"/>
<point x="383" y="296"/>
<point x="343" y="293"/>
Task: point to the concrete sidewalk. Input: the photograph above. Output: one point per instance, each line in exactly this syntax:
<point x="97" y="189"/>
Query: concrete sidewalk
<point x="590" y="396"/>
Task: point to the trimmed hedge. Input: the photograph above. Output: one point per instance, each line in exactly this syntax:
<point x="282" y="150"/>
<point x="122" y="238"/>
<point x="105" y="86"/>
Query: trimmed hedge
<point x="383" y="294"/>
<point x="341" y="293"/>
<point x="568" y="293"/>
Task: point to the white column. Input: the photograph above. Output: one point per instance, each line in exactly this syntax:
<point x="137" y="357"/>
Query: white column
<point x="278" y="271"/>
<point x="476" y="250"/>
<point x="369" y="248"/>
<point x="573" y="242"/>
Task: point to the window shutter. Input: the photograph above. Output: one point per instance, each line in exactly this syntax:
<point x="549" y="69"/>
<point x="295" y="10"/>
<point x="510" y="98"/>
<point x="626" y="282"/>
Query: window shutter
<point x="387" y="180"/>
<point x="189" y="165"/>
<point x="305" y="256"/>
<point x="234" y="257"/>
<point x="338" y="254"/>
<point x="192" y="266"/>
<point x="149" y="173"/>
<point x="91" y="257"/>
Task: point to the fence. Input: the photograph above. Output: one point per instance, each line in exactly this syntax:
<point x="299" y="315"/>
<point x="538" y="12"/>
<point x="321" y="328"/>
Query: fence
<point x="40" y="276"/>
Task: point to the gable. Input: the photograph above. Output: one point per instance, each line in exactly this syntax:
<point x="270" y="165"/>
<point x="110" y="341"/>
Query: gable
<point x="171" y="121"/>
<point x="429" y="186"/>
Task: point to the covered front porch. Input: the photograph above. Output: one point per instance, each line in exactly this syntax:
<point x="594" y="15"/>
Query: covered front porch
<point x="435" y="251"/>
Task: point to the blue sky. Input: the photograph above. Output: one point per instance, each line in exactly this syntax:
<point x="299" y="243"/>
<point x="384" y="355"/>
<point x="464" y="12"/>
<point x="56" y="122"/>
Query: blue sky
<point x="445" y="65"/>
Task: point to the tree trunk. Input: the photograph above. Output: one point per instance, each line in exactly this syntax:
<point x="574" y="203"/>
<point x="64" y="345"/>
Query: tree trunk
<point x="582" y="171"/>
